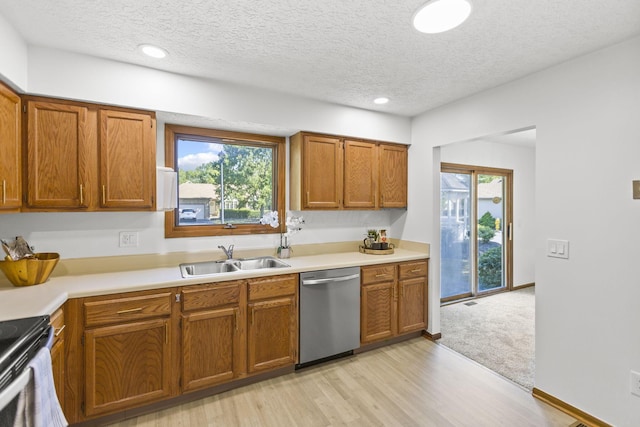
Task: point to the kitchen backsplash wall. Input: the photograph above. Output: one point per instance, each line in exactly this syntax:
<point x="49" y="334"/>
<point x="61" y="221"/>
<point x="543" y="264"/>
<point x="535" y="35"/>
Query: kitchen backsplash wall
<point x="86" y="235"/>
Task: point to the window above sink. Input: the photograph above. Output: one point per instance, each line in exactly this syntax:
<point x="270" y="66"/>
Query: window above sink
<point x="226" y="181"/>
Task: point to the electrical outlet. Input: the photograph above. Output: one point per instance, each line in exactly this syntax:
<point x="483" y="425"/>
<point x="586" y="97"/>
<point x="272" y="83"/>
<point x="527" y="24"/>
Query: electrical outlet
<point x="635" y="383"/>
<point x="128" y="239"/>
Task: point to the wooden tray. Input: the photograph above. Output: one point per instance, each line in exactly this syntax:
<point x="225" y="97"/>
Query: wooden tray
<point x="376" y="251"/>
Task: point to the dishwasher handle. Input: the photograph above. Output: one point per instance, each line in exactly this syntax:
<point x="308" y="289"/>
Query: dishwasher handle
<point x="329" y="280"/>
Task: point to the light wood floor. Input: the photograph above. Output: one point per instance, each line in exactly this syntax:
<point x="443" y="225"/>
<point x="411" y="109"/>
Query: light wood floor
<point x="414" y="383"/>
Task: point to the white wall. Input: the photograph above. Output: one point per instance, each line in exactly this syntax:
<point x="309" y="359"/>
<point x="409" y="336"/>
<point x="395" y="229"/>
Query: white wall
<point x="13" y="57"/>
<point x="522" y="161"/>
<point x="587" y="154"/>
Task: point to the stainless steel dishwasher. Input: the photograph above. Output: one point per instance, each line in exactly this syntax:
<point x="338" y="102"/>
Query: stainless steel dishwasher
<point x="329" y="314"/>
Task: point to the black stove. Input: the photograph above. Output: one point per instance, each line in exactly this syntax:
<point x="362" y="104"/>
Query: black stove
<point x="20" y="340"/>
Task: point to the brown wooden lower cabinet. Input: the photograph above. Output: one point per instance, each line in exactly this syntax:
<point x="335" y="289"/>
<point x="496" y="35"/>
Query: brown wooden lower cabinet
<point x="212" y="334"/>
<point x="273" y="322"/>
<point x="127" y="365"/>
<point x="393" y="300"/>
<point x="128" y="350"/>
<point x="133" y="349"/>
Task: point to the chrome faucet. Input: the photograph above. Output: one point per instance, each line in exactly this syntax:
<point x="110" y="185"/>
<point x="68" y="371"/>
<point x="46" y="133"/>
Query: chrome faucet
<point x="228" y="252"/>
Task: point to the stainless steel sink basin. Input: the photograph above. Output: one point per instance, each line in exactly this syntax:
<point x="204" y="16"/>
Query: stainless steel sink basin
<point x="260" y="262"/>
<point x="208" y="268"/>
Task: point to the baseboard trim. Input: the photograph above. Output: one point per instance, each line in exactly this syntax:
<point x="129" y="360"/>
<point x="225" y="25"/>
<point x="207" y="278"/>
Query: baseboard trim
<point x="576" y="413"/>
<point x="372" y="346"/>
<point x="524" y="285"/>
<point x="431" y="337"/>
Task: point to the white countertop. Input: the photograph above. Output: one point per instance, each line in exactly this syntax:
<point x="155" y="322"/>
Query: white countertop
<point x="18" y="302"/>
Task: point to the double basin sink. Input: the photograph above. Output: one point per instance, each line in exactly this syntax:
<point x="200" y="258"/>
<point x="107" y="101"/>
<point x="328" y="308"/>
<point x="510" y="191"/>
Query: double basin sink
<point x="208" y="268"/>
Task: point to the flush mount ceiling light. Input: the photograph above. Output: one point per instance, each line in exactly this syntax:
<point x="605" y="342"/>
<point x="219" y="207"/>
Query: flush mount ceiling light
<point x="438" y="16"/>
<point x="153" y="51"/>
<point x="381" y="100"/>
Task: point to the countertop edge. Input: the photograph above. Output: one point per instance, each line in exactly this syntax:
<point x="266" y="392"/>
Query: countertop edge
<point x="19" y="302"/>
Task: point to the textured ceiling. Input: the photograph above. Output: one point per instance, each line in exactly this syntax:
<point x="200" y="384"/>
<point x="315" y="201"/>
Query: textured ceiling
<point x="345" y="52"/>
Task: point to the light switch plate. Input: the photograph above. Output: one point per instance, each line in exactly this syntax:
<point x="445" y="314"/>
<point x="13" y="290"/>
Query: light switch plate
<point x="558" y="248"/>
<point x="128" y="239"/>
<point x="634" y="383"/>
<point x="636" y="189"/>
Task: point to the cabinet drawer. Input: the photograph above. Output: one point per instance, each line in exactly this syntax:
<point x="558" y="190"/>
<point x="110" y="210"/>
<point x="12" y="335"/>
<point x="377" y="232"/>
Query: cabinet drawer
<point x="211" y="295"/>
<point x="57" y="321"/>
<point x="273" y="286"/>
<point x="126" y="309"/>
<point x="413" y="269"/>
<point x="378" y="273"/>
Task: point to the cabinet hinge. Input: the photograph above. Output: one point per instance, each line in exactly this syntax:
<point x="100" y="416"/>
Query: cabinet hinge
<point x="177" y="297"/>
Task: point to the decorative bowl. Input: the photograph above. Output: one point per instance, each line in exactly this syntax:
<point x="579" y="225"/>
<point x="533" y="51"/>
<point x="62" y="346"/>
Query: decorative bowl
<point x="30" y="271"/>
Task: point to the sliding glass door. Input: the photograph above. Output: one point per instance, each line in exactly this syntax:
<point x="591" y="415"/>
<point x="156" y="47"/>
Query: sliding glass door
<point x="476" y="259"/>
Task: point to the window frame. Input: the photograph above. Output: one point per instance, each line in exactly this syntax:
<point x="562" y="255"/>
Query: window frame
<point x="172" y="227"/>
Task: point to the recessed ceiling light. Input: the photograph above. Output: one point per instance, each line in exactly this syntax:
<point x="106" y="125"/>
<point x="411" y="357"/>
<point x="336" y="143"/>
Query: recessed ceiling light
<point x="153" y="51"/>
<point x="438" y="16"/>
<point x="381" y="100"/>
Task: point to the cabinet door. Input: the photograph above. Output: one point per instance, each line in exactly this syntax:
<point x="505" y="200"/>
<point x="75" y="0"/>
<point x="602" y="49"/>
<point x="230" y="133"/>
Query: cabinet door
<point x="360" y="174"/>
<point x="211" y="347"/>
<point x="378" y="312"/>
<point x="273" y="333"/>
<point x="126" y="365"/>
<point x="127" y="160"/>
<point x="58" y="155"/>
<point x="412" y="304"/>
<point x="10" y="150"/>
<point x="393" y="175"/>
<point x="322" y="176"/>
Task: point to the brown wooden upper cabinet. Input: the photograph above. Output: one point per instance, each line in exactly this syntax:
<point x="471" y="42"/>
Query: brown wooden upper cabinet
<point x="87" y="157"/>
<point x="333" y="172"/>
<point x="127" y="159"/>
<point x="10" y="151"/>
<point x="393" y="175"/>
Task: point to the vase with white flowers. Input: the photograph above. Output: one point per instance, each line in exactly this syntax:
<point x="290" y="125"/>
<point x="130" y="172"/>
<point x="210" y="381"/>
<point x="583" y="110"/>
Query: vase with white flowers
<point x="293" y="224"/>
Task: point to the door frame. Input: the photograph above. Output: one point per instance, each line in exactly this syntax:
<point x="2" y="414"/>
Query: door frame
<point x="475" y="170"/>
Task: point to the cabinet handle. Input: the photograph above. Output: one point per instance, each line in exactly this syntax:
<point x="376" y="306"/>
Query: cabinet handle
<point x="381" y="275"/>
<point x="104" y="195"/>
<point x="59" y="331"/>
<point x="417" y="270"/>
<point x="131" y="310"/>
<point x="306" y="202"/>
<point x="4" y="191"/>
<point x="81" y="195"/>
<point x="253" y="316"/>
<point x="237" y="319"/>
<point x="166" y="334"/>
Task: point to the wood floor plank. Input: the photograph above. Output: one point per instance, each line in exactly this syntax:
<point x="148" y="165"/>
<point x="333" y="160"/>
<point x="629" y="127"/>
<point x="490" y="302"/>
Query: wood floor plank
<point x="413" y="383"/>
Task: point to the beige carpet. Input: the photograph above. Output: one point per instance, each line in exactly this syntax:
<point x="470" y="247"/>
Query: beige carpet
<point x="497" y="332"/>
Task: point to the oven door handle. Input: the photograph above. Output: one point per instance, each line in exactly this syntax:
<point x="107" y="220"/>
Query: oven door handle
<point x="52" y="333"/>
<point x="13" y="389"/>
